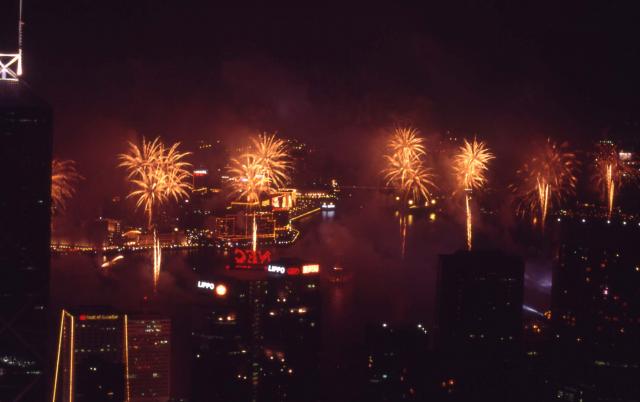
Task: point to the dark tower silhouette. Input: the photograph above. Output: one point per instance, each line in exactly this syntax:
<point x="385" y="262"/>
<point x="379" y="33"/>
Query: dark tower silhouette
<point x="25" y="160"/>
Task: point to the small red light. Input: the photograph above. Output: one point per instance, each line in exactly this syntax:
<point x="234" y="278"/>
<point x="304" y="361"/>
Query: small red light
<point x="293" y="271"/>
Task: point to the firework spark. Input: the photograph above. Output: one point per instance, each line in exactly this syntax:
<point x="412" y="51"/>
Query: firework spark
<point x="612" y="173"/>
<point x="405" y="169"/>
<point x="545" y="180"/>
<point x="470" y="166"/>
<point x="406" y="143"/>
<point x="272" y="154"/>
<point x="64" y="178"/>
<point x="157" y="174"/>
<point x="409" y="176"/>
<point x="249" y="182"/>
<point x="262" y="171"/>
<point x="248" y="179"/>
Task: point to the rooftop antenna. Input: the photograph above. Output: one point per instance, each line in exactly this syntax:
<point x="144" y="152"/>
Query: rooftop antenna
<point x="20" y="24"/>
<point x="11" y="63"/>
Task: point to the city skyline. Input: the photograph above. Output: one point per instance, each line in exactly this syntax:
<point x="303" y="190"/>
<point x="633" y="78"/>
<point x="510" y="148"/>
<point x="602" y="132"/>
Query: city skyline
<point x="256" y="204"/>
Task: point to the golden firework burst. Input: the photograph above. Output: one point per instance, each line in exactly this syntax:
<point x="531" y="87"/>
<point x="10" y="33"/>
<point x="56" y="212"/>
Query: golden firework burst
<point x="272" y="155"/>
<point x="64" y="178"/>
<point x="470" y="166"/>
<point x="611" y="173"/>
<point x="545" y="180"/>
<point x="405" y="168"/>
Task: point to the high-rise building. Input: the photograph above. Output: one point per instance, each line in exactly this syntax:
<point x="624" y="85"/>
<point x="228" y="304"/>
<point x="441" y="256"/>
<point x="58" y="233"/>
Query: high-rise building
<point x="596" y="311"/>
<point x="479" y="302"/>
<point x="107" y="356"/>
<point x="149" y="347"/>
<point x="259" y="342"/>
<point x="25" y="152"/>
<point x="397" y="362"/>
<point x="479" y="325"/>
<point x="99" y="357"/>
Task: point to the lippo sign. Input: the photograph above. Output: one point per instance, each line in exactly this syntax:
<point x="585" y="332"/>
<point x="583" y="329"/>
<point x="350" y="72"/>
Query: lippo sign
<point x="261" y="260"/>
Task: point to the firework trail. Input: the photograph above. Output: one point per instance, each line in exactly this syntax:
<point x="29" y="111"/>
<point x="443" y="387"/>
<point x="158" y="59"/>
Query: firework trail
<point x="254" y="234"/>
<point x="545" y="180"/>
<point x="470" y="166"/>
<point x="611" y="173"/>
<point x="156" y="174"/>
<point x="64" y="178"/>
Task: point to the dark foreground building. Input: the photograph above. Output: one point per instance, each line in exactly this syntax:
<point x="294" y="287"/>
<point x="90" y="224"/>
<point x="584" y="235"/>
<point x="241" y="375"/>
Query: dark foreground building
<point x="106" y="356"/>
<point x="480" y="296"/>
<point x="479" y="326"/>
<point x="596" y="312"/>
<point x="25" y="159"/>
<point x="261" y="341"/>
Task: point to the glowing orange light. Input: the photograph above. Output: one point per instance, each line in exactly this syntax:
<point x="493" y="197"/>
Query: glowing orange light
<point x="310" y="269"/>
<point x="221" y="290"/>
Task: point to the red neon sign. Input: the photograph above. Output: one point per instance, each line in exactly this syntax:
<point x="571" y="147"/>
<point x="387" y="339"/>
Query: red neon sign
<point x="293" y="271"/>
<point x="241" y="256"/>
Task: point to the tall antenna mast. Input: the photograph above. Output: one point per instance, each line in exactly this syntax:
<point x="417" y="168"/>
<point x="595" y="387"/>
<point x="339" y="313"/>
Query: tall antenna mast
<point x="20" y="24"/>
<point x="11" y="63"/>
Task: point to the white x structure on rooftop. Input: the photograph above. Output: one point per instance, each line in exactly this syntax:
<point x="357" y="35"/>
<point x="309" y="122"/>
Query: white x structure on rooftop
<point x="10" y="66"/>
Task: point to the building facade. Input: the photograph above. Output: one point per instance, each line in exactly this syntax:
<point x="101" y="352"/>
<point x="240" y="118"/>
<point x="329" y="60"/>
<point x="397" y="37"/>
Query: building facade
<point x="25" y="207"/>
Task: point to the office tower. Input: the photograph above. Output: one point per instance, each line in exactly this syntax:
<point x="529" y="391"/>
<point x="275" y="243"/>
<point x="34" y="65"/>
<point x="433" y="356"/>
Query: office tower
<point x="25" y="155"/>
<point x="479" y="325"/>
<point x="99" y="357"/>
<point x="149" y="357"/>
<point x="479" y="303"/>
<point x="261" y="341"/>
<point x="107" y="356"/>
<point x="398" y="362"/>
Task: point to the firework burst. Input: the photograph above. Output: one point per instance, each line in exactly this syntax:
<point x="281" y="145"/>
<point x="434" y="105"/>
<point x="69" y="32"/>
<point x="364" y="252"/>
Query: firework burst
<point x="156" y="174"/>
<point x="545" y="180"/>
<point x="406" y="143"/>
<point x="262" y="171"/>
<point x="470" y="166"/>
<point x="611" y="174"/>
<point x="64" y="178"/>
<point x="248" y="179"/>
<point x="405" y="169"/>
<point x="272" y="155"/>
<point x="409" y="176"/>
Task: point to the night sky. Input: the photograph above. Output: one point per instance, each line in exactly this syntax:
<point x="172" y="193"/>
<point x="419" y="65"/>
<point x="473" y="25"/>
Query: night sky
<point x="329" y="75"/>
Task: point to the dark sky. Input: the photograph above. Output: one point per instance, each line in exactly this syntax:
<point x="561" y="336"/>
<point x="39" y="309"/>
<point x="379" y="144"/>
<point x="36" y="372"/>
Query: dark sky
<point x="333" y="76"/>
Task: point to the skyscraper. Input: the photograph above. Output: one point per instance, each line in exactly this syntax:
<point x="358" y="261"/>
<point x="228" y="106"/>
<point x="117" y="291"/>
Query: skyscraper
<point x="149" y="348"/>
<point x="99" y="357"/>
<point x="107" y="356"/>
<point x="479" y="324"/>
<point x="25" y="152"/>
<point x="480" y="295"/>
<point x="260" y="342"/>
<point x="596" y="311"/>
